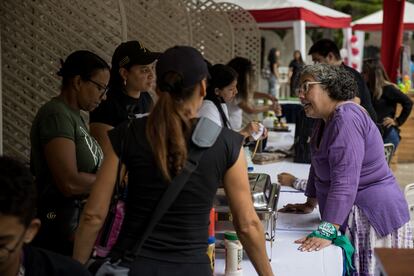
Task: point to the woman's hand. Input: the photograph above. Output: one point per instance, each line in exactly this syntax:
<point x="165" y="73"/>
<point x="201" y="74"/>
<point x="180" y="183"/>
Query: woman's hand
<point x="297" y="208"/>
<point x="251" y="128"/>
<point x="286" y="179"/>
<point x="312" y="244"/>
<point x="277" y="108"/>
<point x="389" y="122"/>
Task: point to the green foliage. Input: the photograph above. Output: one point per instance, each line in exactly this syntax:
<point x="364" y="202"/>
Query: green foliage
<point x="357" y="9"/>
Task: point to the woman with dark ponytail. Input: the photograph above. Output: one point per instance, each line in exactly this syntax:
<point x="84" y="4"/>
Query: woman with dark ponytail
<point x="158" y="147"/>
<point x="243" y="102"/>
<point x="222" y="89"/>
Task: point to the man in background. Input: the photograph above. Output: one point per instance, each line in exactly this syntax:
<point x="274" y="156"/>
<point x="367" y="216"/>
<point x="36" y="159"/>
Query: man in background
<point x="326" y="51"/>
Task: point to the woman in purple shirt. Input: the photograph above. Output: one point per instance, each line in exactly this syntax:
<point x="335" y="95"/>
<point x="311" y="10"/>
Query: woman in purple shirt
<point x="349" y="177"/>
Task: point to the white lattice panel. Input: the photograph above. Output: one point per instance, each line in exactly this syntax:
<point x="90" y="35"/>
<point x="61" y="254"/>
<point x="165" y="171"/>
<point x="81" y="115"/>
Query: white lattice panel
<point x="211" y="30"/>
<point x="35" y="35"/>
<point x="246" y="34"/>
<point x="158" y="24"/>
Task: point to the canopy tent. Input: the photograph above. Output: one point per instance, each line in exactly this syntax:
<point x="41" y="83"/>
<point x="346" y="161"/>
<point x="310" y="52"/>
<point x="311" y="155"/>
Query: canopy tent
<point x="392" y="30"/>
<point x="399" y="15"/>
<point x="373" y="22"/>
<point x="299" y="14"/>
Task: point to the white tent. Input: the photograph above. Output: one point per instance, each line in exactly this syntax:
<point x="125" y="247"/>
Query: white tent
<point x="299" y="14"/>
<point x="373" y="22"/>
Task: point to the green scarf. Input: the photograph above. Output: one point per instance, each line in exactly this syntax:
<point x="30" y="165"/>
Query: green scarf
<point x="328" y="231"/>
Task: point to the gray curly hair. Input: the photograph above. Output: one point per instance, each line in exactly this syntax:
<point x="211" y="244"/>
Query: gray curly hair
<point x="339" y="83"/>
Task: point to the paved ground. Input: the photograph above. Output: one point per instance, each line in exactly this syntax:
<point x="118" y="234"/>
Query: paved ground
<point x="404" y="172"/>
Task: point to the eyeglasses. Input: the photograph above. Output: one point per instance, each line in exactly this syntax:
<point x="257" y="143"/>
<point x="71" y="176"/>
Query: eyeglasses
<point x="6" y="252"/>
<point x="103" y="89"/>
<point x="304" y="87"/>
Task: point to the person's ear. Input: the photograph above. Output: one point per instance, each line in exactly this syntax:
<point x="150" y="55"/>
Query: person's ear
<point x="330" y="58"/>
<point x="203" y="88"/>
<point x="217" y="91"/>
<point x="32" y="230"/>
<point x="124" y="74"/>
<point x="76" y="82"/>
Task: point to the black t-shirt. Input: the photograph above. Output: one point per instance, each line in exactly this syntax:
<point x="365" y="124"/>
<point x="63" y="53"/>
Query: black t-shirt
<point x="181" y="234"/>
<point x="40" y="262"/>
<point x="296" y="66"/>
<point x="363" y="92"/>
<point x="386" y="106"/>
<point x="119" y="107"/>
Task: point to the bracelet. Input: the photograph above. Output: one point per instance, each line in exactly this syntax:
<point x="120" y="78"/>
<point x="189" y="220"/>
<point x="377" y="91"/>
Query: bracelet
<point x="328" y="231"/>
<point x="325" y="231"/>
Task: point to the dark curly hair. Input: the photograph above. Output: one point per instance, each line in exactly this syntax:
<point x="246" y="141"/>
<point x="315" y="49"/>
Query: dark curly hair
<point x="339" y="83"/>
<point x="18" y="191"/>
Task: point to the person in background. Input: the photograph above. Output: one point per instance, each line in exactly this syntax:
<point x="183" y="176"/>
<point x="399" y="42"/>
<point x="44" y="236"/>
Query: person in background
<point x="245" y="93"/>
<point x="222" y="88"/>
<point x="294" y="68"/>
<point x="412" y="71"/>
<point x="132" y="76"/>
<point x="64" y="157"/>
<point x="18" y="227"/>
<point x="326" y="51"/>
<point x="157" y="152"/>
<point x="385" y="97"/>
<point x="273" y="59"/>
<point x="349" y="177"/>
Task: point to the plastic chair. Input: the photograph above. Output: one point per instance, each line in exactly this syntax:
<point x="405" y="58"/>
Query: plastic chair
<point x="389" y="150"/>
<point x="409" y="196"/>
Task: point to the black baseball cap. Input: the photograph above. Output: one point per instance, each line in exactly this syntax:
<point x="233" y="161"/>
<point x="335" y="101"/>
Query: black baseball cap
<point x="184" y="60"/>
<point x="131" y="53"/>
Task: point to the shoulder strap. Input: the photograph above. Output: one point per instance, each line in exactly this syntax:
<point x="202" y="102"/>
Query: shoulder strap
<point x="124" y="139"/>
<point x="201" y="140"/>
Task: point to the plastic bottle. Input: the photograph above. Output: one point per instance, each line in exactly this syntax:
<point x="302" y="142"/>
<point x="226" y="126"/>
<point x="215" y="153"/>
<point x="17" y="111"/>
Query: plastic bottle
<point x="269" y="120"/>
<point x="249" y="162"/>
<point x="234" y="254"/>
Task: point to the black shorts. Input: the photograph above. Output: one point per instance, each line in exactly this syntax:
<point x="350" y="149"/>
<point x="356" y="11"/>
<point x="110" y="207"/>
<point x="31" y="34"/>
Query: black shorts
<point x="151" y="267"/>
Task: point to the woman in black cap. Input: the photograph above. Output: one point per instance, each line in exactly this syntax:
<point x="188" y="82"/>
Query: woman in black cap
<point x="132" y="76"/>
<point x="157" y="150"/>
<point x="64" y="157"/>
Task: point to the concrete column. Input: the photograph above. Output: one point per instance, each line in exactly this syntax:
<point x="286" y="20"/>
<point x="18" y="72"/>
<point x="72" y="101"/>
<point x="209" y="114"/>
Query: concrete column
<point x="299" y="34"/>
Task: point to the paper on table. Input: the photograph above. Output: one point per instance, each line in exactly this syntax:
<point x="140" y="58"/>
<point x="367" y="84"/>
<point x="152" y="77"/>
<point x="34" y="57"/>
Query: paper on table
<point x="287" y="260"/>
<point x="288" y="221"/>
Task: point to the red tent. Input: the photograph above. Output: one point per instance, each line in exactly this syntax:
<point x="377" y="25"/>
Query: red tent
<point x="395" y="16"/>
<point x="299" y="14"/>
<point x="373" y="22"/>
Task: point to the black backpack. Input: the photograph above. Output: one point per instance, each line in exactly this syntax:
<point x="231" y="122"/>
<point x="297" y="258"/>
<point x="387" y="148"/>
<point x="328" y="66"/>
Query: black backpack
<point x="303" y="133"/>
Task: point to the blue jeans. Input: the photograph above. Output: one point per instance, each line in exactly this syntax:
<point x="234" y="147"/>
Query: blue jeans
<point x="272" y="85"/>
<point x="392" y="137"/>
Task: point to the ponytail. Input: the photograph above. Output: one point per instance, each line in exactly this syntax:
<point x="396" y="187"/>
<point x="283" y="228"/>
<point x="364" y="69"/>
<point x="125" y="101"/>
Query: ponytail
<point x="169" y="127"/>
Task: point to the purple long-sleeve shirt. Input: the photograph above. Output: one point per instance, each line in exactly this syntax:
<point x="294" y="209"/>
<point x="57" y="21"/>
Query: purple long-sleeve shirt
<point x="349" y="168"/>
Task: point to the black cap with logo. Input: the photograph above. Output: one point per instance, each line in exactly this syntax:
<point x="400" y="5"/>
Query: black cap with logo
<point x="132" y="52"/>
